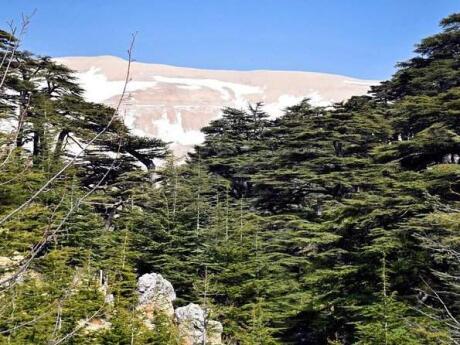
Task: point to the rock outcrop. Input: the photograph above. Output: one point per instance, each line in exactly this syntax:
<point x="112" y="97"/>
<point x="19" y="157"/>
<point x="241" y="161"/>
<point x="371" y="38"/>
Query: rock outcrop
<point x="214" y="331"/>
<point x="156" y="295"/>
<point x="191" y="323"/>
<point x="195" y="328"/>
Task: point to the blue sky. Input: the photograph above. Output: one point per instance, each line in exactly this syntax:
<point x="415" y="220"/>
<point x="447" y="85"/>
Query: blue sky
<point x="360" y="38"/>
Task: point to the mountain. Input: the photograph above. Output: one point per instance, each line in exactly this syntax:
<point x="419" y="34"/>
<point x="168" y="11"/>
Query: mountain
<point x="174" y="103"/>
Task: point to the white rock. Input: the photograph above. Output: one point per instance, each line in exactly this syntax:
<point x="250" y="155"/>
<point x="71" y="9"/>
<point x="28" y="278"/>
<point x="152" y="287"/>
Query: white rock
<point x="191" y="322"/>
<point x="156" y="294"/>
<point x="191" y="313"/>
<point x="6" y="262"/>
<point x="214" y="332"/>
<point x="17" y="257"/>
<point x="94" y="325"/>
<point x="153" y="285"/>
<point x="11" y="261"/>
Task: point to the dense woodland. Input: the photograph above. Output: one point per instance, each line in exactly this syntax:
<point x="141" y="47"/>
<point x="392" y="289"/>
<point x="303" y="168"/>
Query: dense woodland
<point x="335" y="225"/>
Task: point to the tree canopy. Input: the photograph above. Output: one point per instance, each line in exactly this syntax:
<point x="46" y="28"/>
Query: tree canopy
<point x="327" y="225"/>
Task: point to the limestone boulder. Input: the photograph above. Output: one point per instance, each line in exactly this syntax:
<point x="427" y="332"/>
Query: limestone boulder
<point x="214" y="332"/>
<point x="191" y="322"/>
<point x="195" y="328"/>
<point x="156" y="295"/>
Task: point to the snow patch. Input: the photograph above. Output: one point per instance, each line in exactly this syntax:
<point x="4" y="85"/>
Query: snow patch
<point x="98" y="88"/>
<point x="189" y="87"/>
<point x="175" y="132"/>
<point x="276" y="109"/>
<point x="317" y="100"/>
<point x="225" y="88"/>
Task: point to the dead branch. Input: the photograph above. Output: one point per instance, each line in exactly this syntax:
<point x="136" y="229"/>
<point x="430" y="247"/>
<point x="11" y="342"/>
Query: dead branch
<point x="73" y="160"/>
<point x="24" y="26"/>
<point x="76" y="329"/>
<point x="47" y="235"/>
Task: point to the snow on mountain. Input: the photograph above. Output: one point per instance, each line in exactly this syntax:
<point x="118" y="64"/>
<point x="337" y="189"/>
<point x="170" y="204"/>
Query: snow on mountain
<point x="174" y="103"/>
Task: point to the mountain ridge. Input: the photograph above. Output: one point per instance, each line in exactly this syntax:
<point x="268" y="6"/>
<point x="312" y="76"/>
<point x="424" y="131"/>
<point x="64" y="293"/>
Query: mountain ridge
<point x="174" y="103"/>
<point x="230" y="70"/>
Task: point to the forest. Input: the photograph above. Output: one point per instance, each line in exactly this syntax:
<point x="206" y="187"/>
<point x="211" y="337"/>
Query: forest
<point x="327" y="225"/>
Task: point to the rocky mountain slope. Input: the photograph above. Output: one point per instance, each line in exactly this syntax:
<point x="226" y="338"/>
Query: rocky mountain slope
<point x="173" y="103"/>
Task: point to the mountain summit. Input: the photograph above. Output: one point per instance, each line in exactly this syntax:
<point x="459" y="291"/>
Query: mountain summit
<point x="174" y="103"/>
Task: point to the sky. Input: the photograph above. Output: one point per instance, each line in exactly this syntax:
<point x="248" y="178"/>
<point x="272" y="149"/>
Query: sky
<point x="358" y="38"/>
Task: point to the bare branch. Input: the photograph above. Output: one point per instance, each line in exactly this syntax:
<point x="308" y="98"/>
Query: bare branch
<point x="47" y="236"/>
<point x="24" y="26"/>
<point x="73" y="160"/>
<point x="76" y="329"/>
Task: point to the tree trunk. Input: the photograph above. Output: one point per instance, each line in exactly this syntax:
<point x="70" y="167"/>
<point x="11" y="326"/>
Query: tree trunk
<point x="59" y="144"/>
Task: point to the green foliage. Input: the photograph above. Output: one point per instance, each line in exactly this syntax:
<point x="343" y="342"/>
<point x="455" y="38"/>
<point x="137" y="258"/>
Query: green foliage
<point x="390" y="322"/>
<point x="277" y="227"/>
